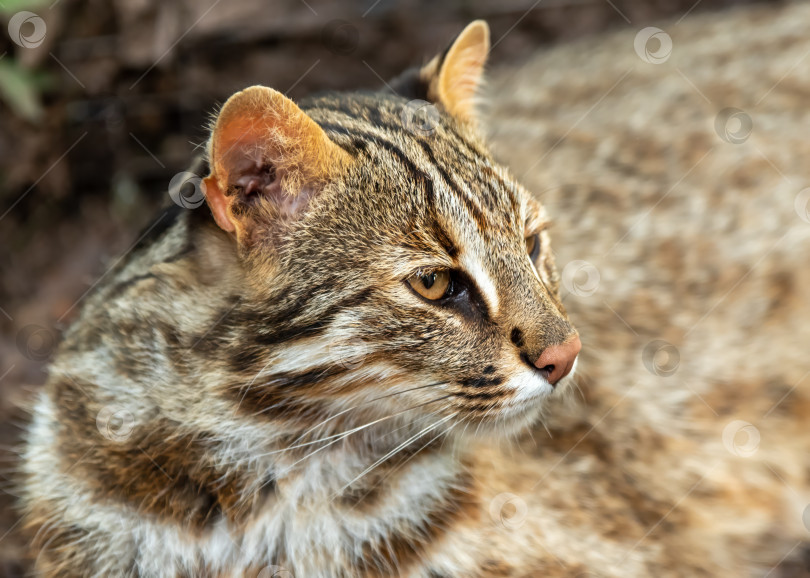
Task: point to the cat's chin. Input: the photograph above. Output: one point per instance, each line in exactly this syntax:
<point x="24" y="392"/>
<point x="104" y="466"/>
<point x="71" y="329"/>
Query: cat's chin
<point x="510" y="421"/>
<point x="507" y="424"/>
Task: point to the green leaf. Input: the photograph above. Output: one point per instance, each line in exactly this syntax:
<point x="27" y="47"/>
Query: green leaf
<point x="19" y="90"/>
<point x="10" y="7"/>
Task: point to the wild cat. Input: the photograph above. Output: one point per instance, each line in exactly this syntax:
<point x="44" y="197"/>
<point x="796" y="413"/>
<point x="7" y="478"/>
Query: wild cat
<point x="308" y="375"/>
<point x="287" y="382"/>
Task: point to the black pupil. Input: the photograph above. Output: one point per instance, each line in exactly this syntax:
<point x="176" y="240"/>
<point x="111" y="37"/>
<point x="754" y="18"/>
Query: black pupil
<point x="428" y="280"/>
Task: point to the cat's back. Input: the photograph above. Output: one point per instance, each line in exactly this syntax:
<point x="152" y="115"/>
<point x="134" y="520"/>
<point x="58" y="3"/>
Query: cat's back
<point x="673" y="159"/>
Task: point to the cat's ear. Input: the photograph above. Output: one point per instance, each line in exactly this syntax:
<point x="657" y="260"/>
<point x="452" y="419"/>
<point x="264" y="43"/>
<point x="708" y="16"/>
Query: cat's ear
<point x="452" y="78"/>
<point x="267" y="160"/>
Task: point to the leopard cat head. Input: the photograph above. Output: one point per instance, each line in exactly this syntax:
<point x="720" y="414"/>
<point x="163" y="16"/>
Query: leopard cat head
<point x="389" y="261"/>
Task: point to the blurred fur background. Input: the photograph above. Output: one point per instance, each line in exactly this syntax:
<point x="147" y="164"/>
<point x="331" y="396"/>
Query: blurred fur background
<point x="687" y="230"/>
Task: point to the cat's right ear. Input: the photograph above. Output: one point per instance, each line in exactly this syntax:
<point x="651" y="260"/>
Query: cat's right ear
<point x="452" y="78"/>
<point x="268" y="159"/>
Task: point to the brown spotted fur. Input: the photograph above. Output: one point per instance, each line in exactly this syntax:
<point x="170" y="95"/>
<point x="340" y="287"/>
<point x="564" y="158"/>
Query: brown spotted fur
<point x="186" y="334"/>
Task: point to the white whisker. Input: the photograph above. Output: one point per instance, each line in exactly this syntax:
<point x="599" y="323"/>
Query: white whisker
<point x="350" y="432"/>
<point x="367" y="403"/>
<point x="397" y="449"/>
<point x="444" y="432"/>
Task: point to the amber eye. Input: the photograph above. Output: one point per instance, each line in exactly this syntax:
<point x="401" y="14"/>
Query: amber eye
<point x="432" y="285"/>
<point x="533" y="246"/>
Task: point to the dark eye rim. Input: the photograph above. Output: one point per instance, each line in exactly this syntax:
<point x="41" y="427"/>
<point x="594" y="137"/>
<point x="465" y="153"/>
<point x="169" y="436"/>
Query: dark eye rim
<point x="536" y="249"/>
<point x="462" y="295"/>
<point x="452" y="286"/>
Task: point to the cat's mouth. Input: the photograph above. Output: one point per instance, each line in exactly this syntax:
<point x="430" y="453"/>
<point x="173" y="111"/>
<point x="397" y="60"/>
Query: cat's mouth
<point x="531" y="390"/>
<point x="539" y="383"/>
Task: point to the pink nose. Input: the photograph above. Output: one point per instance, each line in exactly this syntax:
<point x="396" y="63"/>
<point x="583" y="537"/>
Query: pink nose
<point x="558" y="360"/>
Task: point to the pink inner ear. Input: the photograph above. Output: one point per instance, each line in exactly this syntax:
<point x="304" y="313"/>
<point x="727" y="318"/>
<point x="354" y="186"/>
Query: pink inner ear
<point x="251" y="180"/>
<point x="254" y="179"/>
<point x="268" y="161"/>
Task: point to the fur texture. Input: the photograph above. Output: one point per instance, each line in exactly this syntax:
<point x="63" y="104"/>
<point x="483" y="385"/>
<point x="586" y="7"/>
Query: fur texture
<point x="264" y="388"/>
<point x="273" y="399"/>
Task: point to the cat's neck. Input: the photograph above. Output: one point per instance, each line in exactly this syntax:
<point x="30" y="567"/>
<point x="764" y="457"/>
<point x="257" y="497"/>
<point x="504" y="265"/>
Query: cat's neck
<point x="403" y="482"/>
<point x="351" y="461"/>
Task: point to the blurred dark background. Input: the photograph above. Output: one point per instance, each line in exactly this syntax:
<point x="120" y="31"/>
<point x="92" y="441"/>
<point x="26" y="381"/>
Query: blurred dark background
<point x="112" y="102"/>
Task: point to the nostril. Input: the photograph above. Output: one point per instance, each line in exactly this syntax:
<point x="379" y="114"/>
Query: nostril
<point x="558" y="359"/>
<point x="547" y="369"/>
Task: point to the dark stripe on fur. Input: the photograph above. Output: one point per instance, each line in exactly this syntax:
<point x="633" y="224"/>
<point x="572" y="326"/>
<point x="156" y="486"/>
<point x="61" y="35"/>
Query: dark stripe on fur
<point x="478" y="216"/>
<point x="155" y="468"/>
<point x="403" y="547"/>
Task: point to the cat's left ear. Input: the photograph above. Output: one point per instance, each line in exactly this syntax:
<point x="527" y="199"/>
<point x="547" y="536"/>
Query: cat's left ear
<point x="268" y="159"/>
<point x="452" y="78"/>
